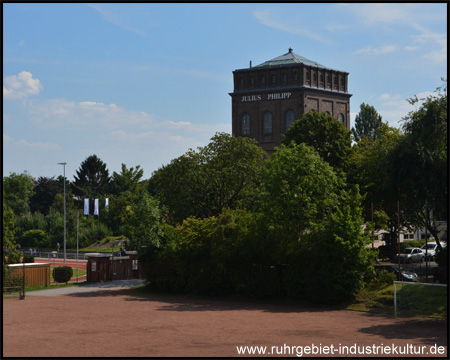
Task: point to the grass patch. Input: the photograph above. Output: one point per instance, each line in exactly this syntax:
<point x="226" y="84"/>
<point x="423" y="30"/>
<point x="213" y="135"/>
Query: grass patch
<point x="412" y="301"/>
<point x="378" y="300"/>
<point x="422" y="300"/>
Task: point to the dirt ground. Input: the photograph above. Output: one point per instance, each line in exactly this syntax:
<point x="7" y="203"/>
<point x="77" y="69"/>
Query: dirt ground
<point x="130" y="323"/>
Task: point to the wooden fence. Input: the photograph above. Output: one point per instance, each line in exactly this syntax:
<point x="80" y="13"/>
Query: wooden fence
<point x="36" y="274"/>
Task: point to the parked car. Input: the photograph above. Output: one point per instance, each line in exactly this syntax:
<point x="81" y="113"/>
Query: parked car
<point x="405" y="275"/>
<point x="429" y="251"/>
<point x="409" y="255"/>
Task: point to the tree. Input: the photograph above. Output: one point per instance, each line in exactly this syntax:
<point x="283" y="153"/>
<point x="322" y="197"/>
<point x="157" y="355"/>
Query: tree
<point x="338" y="259"/>
<point x="367" y="123"/>
<point x="92" y="179"/>
<point x="45" y="191"/>
<point x="128" y="179"/>
<point x="223" y="174"/>
<point x="369" y="169"/>
<point x="299" y="190"/>
<point x="143" y="228"/>
<point x="419" y="164"/>
<point x="325" y="134"/>
<point x="8" y="230"/>
<point x="18" y="189"/>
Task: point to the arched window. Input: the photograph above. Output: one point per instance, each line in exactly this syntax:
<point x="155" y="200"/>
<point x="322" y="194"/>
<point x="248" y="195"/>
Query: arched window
<point x="246" y="124"/>
<point x="267" y="122"/>
<point x="241" y="82"/>
<point x="290" y="118"/>
<point x="252" y="80"/>
<point x="274" y="79"/>
<point x="315" y="78"/>
<point x="284" y="77"/>
<point x="296" y="76"/>
<point x="308" y="77"/>
<point x="321" y="79"/>
<point x="263" y="79"/>
<point x="328" y="80"/>
<point x="341" y="118"/>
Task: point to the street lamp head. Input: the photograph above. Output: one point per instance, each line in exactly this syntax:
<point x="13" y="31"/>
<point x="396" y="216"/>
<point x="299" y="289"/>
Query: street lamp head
<point x="62" y="163"/>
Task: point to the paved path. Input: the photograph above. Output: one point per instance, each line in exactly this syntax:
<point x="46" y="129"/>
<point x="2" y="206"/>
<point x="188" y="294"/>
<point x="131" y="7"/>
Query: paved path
<point x="103" y="286"/>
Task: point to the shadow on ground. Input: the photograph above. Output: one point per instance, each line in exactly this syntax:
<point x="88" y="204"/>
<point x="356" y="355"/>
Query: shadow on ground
<point x="183" y="302"/>
<point x="427" y="331"/>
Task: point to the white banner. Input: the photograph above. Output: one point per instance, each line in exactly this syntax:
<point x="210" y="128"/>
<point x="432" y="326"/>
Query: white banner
<point x="96" y="207"/>
<point x="107" y="203"/>
<point x="86" y="206"/>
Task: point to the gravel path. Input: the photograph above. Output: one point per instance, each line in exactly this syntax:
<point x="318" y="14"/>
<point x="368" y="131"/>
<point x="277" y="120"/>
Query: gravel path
<point x="127" y="323"/>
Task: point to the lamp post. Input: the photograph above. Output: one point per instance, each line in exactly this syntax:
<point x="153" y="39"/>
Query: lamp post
<point x="64" y="166"/>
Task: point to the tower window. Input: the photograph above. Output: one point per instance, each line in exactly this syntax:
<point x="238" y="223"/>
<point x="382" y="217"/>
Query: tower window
<point x="308" y="77"/>
<point x="341" y="118"/>
<point x="296" y="76"/>
<point x="274" y="79"/>
<point x="263" y="79"/>
<point x="252" y="80"/>
<point x="321" y="79"/>
<point x="290" y="118"/>
<point x="246" y="124"/>
<point x="315" y="78"/>
<point x="267" y="122"/>
<point x="241" y="82"/>
<point x="284" y="77"/>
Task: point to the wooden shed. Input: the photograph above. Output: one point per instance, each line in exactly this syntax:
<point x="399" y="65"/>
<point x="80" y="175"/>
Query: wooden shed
<point x="36" y="274"/>
<point x="106" y="267"/>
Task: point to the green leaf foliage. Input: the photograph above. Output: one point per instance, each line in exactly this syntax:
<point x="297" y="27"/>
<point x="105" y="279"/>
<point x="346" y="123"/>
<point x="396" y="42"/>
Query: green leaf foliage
<point x="299" y="190"/>
<point x="62" y="274"/>
<point x="325" y="134"/>
<point x="223" y="174"/>
<point x="367" y="123"/>
<point x="329" y="266"/>
<point x="92" y="179"/>
<point x="18" y="189"/>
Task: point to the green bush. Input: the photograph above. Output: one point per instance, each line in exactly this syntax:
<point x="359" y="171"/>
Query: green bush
<point x="381" y="280"/>
<point x="9" y="279"/>
<point x="28" y="259"/>
<point x="14" y="257"/>
<point x="413" y="243"/>
<point x="34" y="238"/>
<point x="62" y="274"/>
<point x="92" y="231"/>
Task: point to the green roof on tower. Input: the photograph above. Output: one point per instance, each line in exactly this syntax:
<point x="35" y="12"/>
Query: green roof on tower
<point x="288" y="59"/>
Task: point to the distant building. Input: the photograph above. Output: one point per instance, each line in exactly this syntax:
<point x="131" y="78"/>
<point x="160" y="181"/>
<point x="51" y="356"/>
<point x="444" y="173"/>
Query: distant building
<point x="269" y="97"/>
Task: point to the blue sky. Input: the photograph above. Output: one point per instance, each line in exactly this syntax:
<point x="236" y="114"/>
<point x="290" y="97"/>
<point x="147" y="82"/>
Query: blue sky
<point x="141" y="83"/>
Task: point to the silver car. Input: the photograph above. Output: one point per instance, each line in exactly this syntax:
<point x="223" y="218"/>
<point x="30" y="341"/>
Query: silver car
<point x="409" y="255"/>
<point x="429" y="251"/>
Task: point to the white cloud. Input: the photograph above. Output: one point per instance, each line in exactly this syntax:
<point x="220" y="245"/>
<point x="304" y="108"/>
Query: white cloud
<point x="394" y="107"/>
<point x="369" y="50"/>
<point x="37" y="145"/>
<point x="20" y="86"/>
<point x="377" y="14"/>
<point x="282" y="23"/>
<point x="436" y="40"/>
<point x="86" y="115"/>
<point x="384" y="96"/>
<point x="114" y="16"/>
<point x="333" y="26"/>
